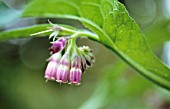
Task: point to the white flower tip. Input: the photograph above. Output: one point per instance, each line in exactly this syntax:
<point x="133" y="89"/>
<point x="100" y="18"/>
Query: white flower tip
<point x="41" y="32"/>
<point x="52" y="42"/>
<point x="33" y="34"/>
<point x="50" y="22"/>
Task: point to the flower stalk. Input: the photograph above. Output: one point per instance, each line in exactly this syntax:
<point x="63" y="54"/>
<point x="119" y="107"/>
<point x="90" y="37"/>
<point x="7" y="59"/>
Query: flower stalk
<point x="67" y="62"/>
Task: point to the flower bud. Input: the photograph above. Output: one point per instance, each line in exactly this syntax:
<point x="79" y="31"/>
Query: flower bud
<point x="83" y="64"/>
<point x="63" y="70"/>
<point x="52" y="66"/>
<point x="85" y="49"/>
<point x="76" y="62"/>
<point x="58" y="45"/>
<point x="90" y="59"/>
<point x="88" y="55"/>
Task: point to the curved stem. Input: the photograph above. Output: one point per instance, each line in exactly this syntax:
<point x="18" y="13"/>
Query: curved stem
<point x="82" y="33"/>
<point x="72" y="42"/>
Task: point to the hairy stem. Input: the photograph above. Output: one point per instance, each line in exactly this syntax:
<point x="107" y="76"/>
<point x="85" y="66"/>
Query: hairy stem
<point x="81" y="33"/>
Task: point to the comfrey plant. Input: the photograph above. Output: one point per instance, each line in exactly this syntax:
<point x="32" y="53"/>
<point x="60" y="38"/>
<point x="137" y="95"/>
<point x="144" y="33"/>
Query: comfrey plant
<point x="67" y="61"/>
<point x="111" y="26"/>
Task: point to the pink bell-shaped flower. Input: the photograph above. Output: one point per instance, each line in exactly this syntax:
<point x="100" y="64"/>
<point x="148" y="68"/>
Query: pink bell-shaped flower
<point x="76" y="71"/>
<point x="52" y="67"/>
<point x="63" y="70"/>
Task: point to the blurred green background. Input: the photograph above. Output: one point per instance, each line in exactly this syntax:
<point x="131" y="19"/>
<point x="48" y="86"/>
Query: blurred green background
<point x="109" y="84"/>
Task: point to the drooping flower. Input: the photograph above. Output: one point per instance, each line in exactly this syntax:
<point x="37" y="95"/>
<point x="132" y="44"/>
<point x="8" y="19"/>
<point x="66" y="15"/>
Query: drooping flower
<point x="76" y="71"/>
<point x="63" y="70"/>
<point x="52" y="67"/>
<point x="69" y="66"/>
<point x="75" y="76"/>
<point x="58" y="45"/>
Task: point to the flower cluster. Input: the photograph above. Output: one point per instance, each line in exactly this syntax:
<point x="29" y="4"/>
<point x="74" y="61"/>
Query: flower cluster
<point x="71" y="64"/>
<point x="67" y="62"/>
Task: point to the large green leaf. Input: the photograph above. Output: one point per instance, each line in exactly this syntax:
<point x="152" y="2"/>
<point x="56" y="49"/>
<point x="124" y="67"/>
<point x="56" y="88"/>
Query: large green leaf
<point x="158" y="33"/>
<point x="116" y="29"/>
<point x="27" y="31"/>
<point x="22" y="32"/>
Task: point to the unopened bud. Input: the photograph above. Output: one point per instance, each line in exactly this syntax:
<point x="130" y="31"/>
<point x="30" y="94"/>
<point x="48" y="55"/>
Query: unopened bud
<point x="83" y="64"/>
<point x="58" y="45"/>
<point x="88" y="55"/>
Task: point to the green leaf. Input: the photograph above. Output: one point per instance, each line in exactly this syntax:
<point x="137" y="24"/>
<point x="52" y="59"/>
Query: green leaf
<point x="116" y="29"/>
<point x="27" y="31"/>
<point x="158" y="33"/>
<point x="22" y="32"/>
